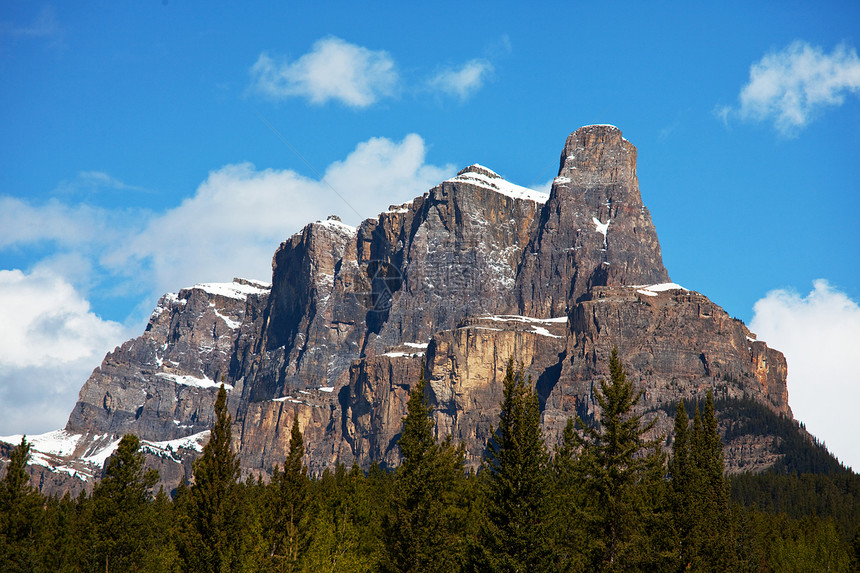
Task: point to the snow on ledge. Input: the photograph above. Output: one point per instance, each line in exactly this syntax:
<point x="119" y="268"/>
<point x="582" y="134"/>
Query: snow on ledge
<point x="192" y="442"/>
<point x="488" y="179"/>
<point x="57" y="443"/>
<point x="192" y="381"/>
<point x="521" y="318"/>
<point x="234" y="289"/>
<point x="652" y="290"/>
<point x="337" y="225"/>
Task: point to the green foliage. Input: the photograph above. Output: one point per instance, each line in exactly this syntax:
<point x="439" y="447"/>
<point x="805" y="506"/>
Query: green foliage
<point x="285" y="527"/>
<point x="571" y="501"/>
<point x="345" y="527"/>
<point x="799" y="452"/>
<point x="516" y="524"/>
<point x="423" y="530"/>
<point x="211" y="536"/>
<point x="605" y="502"/>
<point x="622" y="474"/>
<point x="698" y="494"/>
<point x="20" y="515"/>
<point x="121" y="507"/>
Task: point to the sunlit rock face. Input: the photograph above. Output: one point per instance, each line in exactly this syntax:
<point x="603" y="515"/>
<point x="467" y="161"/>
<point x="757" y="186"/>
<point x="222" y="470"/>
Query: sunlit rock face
<point x="473" y="273"/>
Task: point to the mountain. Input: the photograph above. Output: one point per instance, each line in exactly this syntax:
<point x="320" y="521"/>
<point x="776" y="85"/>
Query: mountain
<point x="465" y="277"/>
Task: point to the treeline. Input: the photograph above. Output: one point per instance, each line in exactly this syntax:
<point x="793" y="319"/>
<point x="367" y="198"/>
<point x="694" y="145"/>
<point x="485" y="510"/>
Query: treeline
<point x="606" y="499"/>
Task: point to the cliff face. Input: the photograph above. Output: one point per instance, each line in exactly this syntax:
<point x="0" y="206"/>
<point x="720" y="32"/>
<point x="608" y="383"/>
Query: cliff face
<point x="593" y="231"/>
<point x="474" y="272"/>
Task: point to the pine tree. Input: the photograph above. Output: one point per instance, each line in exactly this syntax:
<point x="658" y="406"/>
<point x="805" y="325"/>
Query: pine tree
<point x="516" y="525"/>
<point x="684" y="489"/>
<point x="699" y="494"/>
<point x="212" y="537"/>
<point x="571" y="532"/>
<point x="287" y="525"/>
<point x="423" y="530"/>
<point x="624" y="480"/>
<point x="716" y="552"/>
<point x="121" y="508"/>
<point x="20" y="515"/>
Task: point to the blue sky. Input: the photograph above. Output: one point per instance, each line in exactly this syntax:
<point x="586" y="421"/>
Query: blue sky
<point x="139" y="155"/>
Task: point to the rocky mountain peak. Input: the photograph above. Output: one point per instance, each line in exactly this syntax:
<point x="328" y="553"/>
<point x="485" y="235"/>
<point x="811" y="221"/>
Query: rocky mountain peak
<point x="598" y="155"/>
<point x="464" y="277"/>
<point x="594" y="229"/>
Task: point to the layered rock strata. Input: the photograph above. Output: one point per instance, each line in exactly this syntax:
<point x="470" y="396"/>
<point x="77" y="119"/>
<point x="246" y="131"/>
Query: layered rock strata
<point x="473" y="273"/>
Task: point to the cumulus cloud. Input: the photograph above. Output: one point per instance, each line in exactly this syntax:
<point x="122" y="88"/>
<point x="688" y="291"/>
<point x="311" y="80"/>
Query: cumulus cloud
<point x="791" y="86"/>
<point x="22" y="222"/>
<point x="462" y="82"/>
<point x="333" y="70"/>
<point x="238" y="216"/>
<point x="819" y="334"/>
<point x="51" y="342"/>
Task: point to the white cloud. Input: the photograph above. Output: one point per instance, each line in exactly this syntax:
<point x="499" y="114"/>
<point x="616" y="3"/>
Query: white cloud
<point x="819" y="335"/>
<point x="790" y="86"/>
<point x="22" y="222"/>
<point x="462" y="82"/>
<point x="51" y="342"/>
<point x="238" y="216"/>
<point x="333" y="70"/>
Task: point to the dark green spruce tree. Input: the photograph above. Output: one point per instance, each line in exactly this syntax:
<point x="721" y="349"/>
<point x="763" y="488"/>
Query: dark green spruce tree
<point x="699" y="495"/>
<point x="423" y="530"/>
<point x="122" y="509"/>
<point x="287" y="527"/>
<point x="516" y="526"/>
<point x="571" y="532"/>
<point x="685" y="487"/>
<point x="623" y="474"/>
<point x="20" y="514"/>
<point x="211" y="536"/>
<point x="716" y="551"/>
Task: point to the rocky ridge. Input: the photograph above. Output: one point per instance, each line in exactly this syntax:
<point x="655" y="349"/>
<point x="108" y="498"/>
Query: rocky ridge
<point x="470" y="274"/>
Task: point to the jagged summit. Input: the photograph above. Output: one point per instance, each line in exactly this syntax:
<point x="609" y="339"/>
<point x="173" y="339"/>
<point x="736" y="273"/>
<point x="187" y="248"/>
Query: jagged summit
<point x="481" y="176"/>
<point x="473" y="272"/>
<point x="594" y="227"/>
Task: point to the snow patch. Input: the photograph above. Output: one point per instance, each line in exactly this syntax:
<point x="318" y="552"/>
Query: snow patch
<point x="520" y="318"/>
<point x="192" y="381"/>
<point x="193" y="442"/>
<point x="57" y="443"/>
<point x="403" y="354"/>
<point x="328" y="389"/>
<point x="232" y="324"/>
<point x="336" y="225"/>
<point x="235" y="290"/>
<point x="652" y="290"/>
<point x="495" y="183"/>
<point x="601" y="228"/>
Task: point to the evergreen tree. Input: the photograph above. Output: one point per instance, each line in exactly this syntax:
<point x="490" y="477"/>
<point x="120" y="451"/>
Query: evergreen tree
<point x="343" y="538"/>
<point x="516" y="525"/>
<point x="684" y="491"/>
<point x="571" y="533"/>
<point x="20" y="513"/>
<point x="287" y="527"/>
<point x="423" y="530"/>
<point x="212" y="537"/>
<point x="121" y="508"/>
<point x="623" y="477"/>
<point x="716" y="552"/>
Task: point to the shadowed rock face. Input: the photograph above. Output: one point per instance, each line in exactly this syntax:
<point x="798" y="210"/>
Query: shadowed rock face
<point x="594" y="230"/>
<point x="465" y="277"/>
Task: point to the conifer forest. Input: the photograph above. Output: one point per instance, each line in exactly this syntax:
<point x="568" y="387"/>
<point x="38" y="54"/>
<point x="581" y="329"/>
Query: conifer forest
<point x="607" y="498"/>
